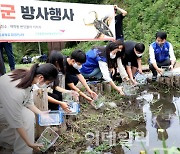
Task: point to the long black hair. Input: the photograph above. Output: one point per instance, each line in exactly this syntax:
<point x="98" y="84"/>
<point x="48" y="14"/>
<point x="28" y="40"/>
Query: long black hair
<point x="104" y="51"/>
<point x="48" y="71"/>
<point x="112" y="63"/>
<point x="122" y="53"/>
<point x="101" y="50"/>
<point x="56" y="58"/>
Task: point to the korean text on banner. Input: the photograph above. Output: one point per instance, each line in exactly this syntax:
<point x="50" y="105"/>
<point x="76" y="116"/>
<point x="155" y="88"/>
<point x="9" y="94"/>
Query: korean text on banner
<point x="33" y="21"/>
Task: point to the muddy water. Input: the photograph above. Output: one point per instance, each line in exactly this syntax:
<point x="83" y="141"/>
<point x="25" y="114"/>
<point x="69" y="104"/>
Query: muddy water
<point x="148" y="121"/>
<point x="153" y="123"/>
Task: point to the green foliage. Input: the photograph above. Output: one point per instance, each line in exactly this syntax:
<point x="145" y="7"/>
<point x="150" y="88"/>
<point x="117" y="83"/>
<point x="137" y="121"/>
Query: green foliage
<point x="80" y="1"/>
<point x="147" y="17"/>
<point x="103" y="147"/>
<point x="28" y="48"/>
<point x="84" y="46"/>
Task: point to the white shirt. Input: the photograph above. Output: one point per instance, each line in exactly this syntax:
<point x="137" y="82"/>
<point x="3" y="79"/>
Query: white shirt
<point x="105" y="71"/>
<point x="121" y="69"/>
<point x="152" y="55"/>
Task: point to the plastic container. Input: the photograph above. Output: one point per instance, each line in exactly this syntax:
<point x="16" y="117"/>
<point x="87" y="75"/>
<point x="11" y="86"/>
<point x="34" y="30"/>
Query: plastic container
<point x="167" y="74"/>
<point x="61" y="78"/>
<point x="129" y="89"/>
<point x="98" y="101"/>
<point x="51" y="118"/>
<point x="67" y="97"/>
<point x="74" y="108"/>
<point x="165" y="68"/>
<point x="47" y="138"/>
<point x="140" y="78"/>
<point x="166" y="71"/>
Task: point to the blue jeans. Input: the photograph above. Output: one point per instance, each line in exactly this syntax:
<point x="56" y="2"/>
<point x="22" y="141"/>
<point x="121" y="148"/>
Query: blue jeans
<point x="95" y="73"/>
<point x="8" y="49"/>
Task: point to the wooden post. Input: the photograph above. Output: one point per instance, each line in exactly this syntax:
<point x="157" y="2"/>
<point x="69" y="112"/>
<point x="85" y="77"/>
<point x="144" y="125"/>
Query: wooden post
<point x="40" y="98"/>
<point x="167" y="81"/>
<point x="161" y="80"/>
<point x="172" y="81"/>
<point x="177" y="81"/>
<point x="99" y="87"/>
<point x="56" y="46"/>
<point x="106" y="87"/>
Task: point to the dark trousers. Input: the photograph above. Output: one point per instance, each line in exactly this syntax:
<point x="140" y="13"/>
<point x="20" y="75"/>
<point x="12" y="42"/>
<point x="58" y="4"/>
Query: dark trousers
<point x="8" y="49"/>
<point x="56" y="95"/>
<point x="164" y="63"/>
<point x="2" y="67"/>
<point x="121" y="38"/>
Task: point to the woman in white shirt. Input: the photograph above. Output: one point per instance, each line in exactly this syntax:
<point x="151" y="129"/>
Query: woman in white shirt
<point x="102" y="61"/>
<point x="17" y="108"/>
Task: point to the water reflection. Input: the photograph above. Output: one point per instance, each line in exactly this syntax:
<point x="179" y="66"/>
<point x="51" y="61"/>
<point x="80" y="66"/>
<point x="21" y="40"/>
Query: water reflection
<point x="161" y="113"/>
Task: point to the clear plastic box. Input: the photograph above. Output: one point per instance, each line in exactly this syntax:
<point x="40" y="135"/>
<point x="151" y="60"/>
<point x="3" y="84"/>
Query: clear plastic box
<point x="129" y="89"/>
<point x="66" y="97"/>
<point x="166" y="72"/>
<point x="140" y="78"/>
<point x="74" y="108"/>
<point x="99" y="101"/>
<point x="69" y="97"/>
<point x="165" y="68"/>
<point x="51" y="118"/>
<point x="47" y="138"/>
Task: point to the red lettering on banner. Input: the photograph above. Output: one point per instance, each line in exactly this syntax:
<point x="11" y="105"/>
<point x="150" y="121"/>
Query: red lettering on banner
<point x="7" y="11"/>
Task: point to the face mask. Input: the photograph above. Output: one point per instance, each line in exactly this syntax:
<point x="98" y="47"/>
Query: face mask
<point x="112" y="56"/>
<point x="41" y="86"/>
<point x="76" y="66"/>
<point x="139" y="55"/>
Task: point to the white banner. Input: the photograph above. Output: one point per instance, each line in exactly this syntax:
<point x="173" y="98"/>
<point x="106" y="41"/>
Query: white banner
<point x="43" y="21"/>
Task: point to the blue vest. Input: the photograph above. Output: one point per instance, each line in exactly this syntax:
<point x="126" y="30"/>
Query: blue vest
<point x="92" y="58"/>
<point x="161" y="53"/>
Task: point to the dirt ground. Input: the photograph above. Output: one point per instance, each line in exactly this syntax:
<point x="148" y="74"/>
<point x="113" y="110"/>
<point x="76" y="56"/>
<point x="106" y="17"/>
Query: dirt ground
<point x="75" y="129"/>
<point x="177" y="64"/>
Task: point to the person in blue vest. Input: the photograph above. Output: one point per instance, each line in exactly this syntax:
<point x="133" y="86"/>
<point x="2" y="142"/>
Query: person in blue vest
<point x="102" y="62"/>
<point x="161" y="54"/>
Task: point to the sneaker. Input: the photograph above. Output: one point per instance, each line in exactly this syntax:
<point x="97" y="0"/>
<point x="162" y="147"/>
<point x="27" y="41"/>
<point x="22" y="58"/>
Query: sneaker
<point x="154" y="78"/>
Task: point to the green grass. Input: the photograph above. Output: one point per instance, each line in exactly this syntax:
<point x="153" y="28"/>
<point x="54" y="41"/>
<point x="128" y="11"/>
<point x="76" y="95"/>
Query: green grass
<point x="26" y="66"/>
